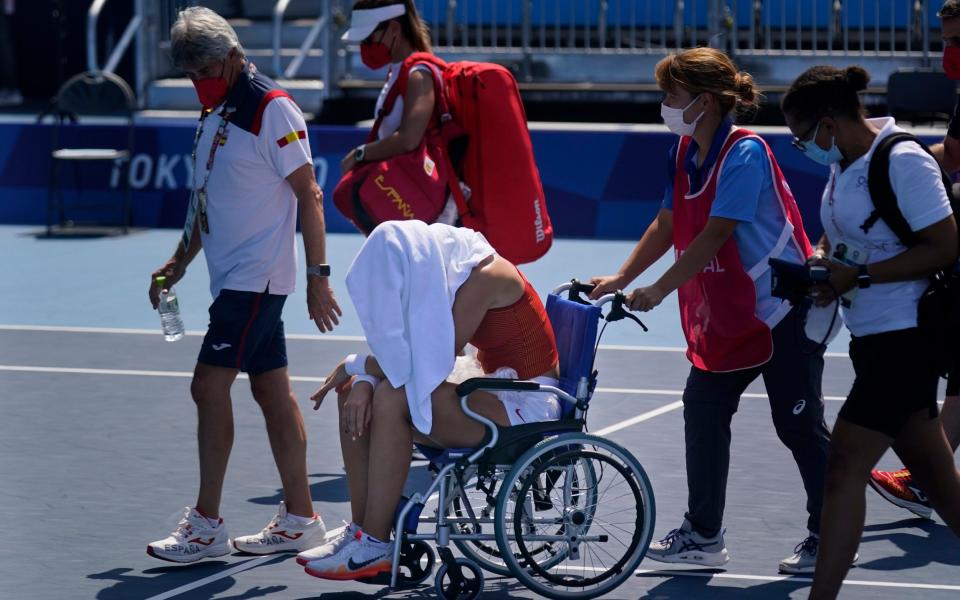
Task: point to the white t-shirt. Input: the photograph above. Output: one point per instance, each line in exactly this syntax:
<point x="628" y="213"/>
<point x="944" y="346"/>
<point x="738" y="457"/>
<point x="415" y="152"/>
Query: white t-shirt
<point x="391" y="121"/>
<point x="846" y="204"/>
<point x="252" y="210"/>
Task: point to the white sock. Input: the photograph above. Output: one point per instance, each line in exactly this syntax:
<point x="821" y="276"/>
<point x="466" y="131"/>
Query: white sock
<point x="214" y="523"/>
<point x="301" y="520"/>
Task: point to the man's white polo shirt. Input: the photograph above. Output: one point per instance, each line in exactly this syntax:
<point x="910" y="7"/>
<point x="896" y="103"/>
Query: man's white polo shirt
<point x="846" y="204"/>
<point x="251" y="208"/>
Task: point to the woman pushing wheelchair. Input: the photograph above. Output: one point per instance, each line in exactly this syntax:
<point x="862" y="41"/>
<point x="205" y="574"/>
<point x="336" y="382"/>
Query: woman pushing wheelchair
<point x="422" y="292"/>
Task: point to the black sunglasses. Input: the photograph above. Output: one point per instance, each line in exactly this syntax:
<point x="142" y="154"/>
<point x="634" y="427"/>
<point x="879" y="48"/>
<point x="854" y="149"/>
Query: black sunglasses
<point x="800" y="142"/>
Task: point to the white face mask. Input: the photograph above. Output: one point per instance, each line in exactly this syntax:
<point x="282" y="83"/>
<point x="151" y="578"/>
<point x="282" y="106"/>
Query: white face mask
<point x="673" y="118"/>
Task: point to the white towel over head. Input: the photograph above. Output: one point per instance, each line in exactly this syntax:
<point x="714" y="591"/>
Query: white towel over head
<point x="403" y="284"/>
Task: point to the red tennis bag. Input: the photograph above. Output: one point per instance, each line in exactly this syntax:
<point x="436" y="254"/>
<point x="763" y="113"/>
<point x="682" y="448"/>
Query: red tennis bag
<point x="506" y="200"/>
<point x="412" y="185"/>
<point x="479" y="103"/>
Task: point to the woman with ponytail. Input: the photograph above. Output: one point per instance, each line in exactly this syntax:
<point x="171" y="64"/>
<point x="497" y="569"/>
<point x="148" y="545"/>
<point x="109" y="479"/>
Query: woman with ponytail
<point x="893" y="401"/>
<point x="389" y="32"/>
<point x="726" y="211"/>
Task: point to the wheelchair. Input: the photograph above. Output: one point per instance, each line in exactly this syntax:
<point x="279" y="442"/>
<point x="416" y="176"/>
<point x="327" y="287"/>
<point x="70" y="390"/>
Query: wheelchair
<point x="567" y="513"/>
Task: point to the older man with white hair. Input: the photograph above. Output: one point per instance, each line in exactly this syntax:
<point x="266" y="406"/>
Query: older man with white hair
<point x="252" y="171"/>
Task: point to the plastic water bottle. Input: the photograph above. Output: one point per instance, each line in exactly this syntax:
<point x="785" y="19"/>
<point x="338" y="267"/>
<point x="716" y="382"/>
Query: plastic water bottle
<point x="169" y="310"/>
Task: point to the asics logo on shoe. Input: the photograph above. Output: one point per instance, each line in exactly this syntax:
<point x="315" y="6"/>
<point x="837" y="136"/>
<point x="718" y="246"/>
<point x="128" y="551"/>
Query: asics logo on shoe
<point x="219" y="347"/>
<point x="356" y="566"/>
<point x="799" y="406"/>
<point x="691" y="545"/>
<point x="197" y="540"/>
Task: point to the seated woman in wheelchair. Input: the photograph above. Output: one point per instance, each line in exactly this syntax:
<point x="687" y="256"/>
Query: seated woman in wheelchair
<point x="423" y="292"/>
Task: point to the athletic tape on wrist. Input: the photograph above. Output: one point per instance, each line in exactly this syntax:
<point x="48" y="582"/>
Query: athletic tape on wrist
<point x="356" y="364"/>
<point x="371" y="379"/>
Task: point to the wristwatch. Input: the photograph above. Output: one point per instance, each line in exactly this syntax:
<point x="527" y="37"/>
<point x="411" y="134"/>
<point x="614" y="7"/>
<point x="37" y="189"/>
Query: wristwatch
<point x="360" y="152"/>
<point x="319" y="270"/>
<point x="863" y="277"/>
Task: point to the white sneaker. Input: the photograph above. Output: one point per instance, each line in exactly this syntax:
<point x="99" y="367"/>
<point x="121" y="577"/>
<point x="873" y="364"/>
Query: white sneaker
<point x="360" y="557"/>
<point x="685" y="545"/>
<point x="804" y="558"/>
<point x="283" y="534"/>
<point x="346" y="535"/>
<point x="193" y="539"/>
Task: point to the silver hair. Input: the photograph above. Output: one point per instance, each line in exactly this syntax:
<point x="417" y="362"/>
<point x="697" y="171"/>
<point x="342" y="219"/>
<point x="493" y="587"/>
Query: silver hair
<point x="200" y="36"/>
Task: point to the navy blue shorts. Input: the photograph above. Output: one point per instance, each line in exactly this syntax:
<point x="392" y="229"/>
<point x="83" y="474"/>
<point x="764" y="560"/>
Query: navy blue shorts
<point x="245" y="332"/>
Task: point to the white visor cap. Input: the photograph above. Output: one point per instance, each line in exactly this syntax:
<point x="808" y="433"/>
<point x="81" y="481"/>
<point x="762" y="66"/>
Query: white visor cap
<point x="364" y="22"/>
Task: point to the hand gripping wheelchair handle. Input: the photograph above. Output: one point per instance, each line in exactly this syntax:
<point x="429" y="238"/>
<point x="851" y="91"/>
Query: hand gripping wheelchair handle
<point x="494" y="383"/>
<point x="617" y="312"/>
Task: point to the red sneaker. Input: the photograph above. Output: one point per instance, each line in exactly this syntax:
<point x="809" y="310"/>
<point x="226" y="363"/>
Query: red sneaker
<point x="898" y="488"/>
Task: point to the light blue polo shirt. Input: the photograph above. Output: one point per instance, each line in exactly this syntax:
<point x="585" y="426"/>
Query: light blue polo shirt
<point x="745" y="193"/>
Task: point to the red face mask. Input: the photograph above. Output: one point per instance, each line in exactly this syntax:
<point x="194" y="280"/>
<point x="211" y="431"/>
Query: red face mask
<point x="212" y="90"/>
<point x="375" y="55"/>
<point x="951" y="62"/>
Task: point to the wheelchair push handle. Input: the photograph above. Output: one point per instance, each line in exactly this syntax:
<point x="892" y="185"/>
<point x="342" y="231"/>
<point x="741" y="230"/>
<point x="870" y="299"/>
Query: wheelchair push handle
<point x="574" y="288"/>
<point x="617" y="311"/>
<point x="617" y="299"/>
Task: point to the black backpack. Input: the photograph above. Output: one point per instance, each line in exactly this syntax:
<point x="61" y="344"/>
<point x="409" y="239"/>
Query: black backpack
<point x="938" y="313"/>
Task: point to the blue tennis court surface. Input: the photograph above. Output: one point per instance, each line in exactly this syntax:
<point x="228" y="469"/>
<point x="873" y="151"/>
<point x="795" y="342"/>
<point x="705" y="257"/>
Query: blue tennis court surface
<point x="98" y="442"/>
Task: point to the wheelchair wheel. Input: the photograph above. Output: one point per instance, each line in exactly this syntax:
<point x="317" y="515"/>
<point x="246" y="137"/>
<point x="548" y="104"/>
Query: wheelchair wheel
<point x="462" y="501"/>
<point x="416" y="563"/>
<point x="596" y="511"/>
<point x="462" y="582"/>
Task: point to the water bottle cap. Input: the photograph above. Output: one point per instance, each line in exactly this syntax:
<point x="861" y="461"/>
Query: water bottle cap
<point x="160" y="279"/>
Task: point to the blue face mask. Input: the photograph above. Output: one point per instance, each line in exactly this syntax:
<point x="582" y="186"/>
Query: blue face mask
<point x="818" y="154"/>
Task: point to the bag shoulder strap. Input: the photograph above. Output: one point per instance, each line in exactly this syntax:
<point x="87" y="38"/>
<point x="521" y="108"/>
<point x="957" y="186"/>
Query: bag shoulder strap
<point x="881" y="190"/>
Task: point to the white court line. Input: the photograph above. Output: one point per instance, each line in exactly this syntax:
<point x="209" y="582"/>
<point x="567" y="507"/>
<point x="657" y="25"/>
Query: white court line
<point x="183" y="589"/>
<point x="192" y="333"/>
<point x="662" y="392"/>
<point x="639" y="418"/>
<point x="309" y="336"/>
<point x="310" y="379"/>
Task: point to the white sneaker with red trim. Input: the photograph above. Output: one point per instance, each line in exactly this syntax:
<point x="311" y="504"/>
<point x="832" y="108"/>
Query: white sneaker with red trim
<point x="283" y="534"/>
<point x="193" y="539"/>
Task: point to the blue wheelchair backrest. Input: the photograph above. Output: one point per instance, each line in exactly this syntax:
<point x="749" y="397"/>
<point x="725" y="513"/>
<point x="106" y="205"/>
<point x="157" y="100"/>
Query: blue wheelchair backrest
<point x="575" y="328"/>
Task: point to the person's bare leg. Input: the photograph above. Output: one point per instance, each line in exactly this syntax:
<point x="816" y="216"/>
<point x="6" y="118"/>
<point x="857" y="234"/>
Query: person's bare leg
<point x="210" y="389"/>
<point x="356" y="458"/>
<point x="454" y="429"/>
<point x="388" y="460"/>
<point x="923" y="447"/>
<point x="950" y="417"/>
<point x="390" y="444"/>
<point x="854" y="450"/>
<point x="288" y="437"/>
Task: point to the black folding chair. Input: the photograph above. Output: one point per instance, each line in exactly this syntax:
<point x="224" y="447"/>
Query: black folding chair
<point x="90" y="94"/>
<point x="920" y="96"/>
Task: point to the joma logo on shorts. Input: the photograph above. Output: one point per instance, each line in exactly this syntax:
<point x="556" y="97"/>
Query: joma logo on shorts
<point x="395" y="197"/>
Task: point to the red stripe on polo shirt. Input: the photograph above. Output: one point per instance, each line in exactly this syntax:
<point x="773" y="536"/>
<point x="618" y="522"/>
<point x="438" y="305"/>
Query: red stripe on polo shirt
<point x="258" y="117"/>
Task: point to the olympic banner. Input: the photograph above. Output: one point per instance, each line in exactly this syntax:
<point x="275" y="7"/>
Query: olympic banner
<point x="599" y="184"/>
